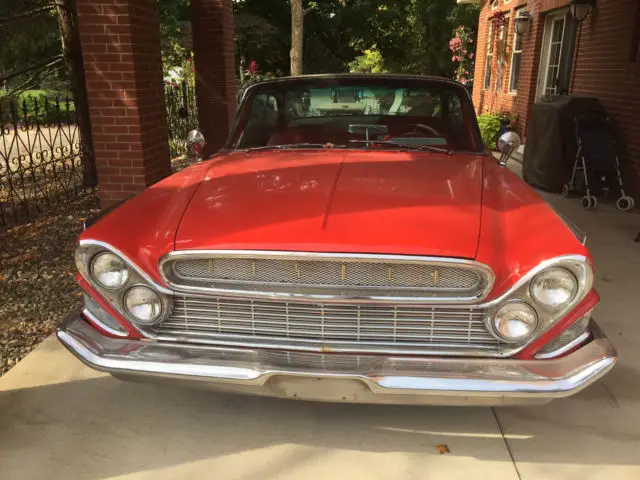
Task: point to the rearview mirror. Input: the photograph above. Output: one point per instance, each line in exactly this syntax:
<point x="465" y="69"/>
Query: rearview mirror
<point x="196" y="142"/>
<point x="508" y="143"/>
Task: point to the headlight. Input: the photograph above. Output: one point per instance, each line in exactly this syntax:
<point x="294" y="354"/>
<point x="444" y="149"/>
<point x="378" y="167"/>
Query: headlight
<point x="109" y="271"/>
<point x="554" y="288"/>
<point x="143" y="304"/>
<point x="515" y="322"/>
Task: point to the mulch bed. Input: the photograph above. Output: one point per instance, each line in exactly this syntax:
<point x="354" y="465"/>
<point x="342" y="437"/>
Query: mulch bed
<point x="37" y="270"/>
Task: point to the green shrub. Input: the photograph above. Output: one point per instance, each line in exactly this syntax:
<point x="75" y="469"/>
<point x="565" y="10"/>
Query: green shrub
<point x="46" y="112"/>
<point x="489" y="128"/>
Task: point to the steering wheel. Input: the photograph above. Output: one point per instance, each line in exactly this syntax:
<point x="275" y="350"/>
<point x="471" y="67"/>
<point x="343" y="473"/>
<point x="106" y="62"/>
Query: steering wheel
<point x="414" y="133"/>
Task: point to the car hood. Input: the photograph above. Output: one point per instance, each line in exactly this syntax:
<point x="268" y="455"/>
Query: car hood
<point x="413" y="203"/>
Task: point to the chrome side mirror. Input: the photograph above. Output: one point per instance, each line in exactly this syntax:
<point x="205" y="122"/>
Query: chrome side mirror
<point x="508" y="143"/>
<point x="196" y="142"/>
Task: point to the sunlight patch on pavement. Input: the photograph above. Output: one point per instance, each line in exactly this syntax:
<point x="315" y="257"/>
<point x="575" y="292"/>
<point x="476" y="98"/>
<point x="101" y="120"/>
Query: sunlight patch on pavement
<point x="455" y="434"/>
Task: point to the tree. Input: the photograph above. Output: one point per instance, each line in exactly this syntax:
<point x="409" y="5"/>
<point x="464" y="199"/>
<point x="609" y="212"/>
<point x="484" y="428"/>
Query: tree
<point x="30" y="44"/>
<point x="297" y="31"/>
<point x="26" y="23"/>
<point x="72" y="53"/>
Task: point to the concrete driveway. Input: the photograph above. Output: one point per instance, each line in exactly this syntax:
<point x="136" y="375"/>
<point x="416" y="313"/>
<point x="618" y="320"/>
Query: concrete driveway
<point x="59" y="419"/>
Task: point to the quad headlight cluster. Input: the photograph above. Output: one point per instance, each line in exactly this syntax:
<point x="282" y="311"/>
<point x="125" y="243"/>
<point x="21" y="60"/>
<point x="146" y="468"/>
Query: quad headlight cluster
<point x="541" y="300"/>
<point x="128" y="291"/>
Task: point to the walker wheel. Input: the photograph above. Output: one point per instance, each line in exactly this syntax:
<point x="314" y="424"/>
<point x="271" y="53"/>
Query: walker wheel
<point x="589" y="202"/>
<point x="565" y="190"/>
<point x="625" y="203"/>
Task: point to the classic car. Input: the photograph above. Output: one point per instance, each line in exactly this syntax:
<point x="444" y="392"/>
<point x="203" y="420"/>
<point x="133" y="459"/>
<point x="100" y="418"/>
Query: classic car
<point x="362" y="250"/>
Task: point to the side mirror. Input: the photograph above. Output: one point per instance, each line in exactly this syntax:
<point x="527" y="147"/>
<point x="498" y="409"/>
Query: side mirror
<point x="196" y="142"/>
<point x="508" y="143"/>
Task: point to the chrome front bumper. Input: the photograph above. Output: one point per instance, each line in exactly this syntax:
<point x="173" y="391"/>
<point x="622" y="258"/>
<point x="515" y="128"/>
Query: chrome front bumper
<point x="342" y="377"/>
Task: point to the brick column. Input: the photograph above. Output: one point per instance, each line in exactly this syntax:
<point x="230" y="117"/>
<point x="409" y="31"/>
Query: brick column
<point x="121" y="52"/>
<point x="213" y="47"/>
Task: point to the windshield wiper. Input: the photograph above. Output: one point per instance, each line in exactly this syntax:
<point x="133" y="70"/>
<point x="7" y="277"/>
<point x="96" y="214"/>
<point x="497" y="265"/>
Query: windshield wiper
<point x="407" y="146"/>
<point x="288" y="146"/>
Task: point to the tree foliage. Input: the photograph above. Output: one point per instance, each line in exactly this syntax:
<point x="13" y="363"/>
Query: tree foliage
<point x="410" y="36"/>
<point x="401" y="36"/>
<point x="29" y="41"/>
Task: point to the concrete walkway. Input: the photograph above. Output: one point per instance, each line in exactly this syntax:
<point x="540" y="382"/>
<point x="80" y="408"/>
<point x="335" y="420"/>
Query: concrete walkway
<point x="59" y="419"/>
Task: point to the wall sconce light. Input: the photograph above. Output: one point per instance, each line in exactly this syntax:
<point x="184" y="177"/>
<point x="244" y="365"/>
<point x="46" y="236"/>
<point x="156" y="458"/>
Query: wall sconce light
<point x="580" y="9"/>
<point x="523" y="22"/>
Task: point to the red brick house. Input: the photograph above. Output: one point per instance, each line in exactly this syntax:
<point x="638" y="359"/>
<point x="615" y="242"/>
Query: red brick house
<point x="598" y="57"/>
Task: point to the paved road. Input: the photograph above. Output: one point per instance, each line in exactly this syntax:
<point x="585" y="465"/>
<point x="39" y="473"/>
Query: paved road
<point x="59" y="419"/>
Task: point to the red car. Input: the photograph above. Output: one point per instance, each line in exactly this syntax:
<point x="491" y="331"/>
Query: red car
<point x="353" y="241"/>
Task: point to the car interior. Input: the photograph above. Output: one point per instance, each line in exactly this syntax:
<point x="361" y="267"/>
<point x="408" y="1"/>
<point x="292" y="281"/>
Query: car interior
<point x="330" y="116"/>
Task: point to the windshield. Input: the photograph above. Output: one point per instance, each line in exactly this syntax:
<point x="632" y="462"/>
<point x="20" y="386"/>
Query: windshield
<point x="348" y="112"/>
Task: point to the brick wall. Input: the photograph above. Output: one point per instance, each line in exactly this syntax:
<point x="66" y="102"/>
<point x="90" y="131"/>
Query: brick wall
<point x="121" y="53"/>
<point x="603" y="68"/>
<point x="502" y="100"/>
<point x="215" y="68"/>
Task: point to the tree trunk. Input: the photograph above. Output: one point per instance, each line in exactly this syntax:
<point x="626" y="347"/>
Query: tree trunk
<point x="297" y="26"/>
<point x="72" y="52"/>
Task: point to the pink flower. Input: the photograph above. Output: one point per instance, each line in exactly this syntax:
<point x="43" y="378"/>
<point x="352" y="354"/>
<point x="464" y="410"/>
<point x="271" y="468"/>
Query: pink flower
<point x="253" y="67"/>
<point x="471" y="55"/>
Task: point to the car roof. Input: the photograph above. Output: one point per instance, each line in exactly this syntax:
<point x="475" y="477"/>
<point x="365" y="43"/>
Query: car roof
<point x="363" y="76"/>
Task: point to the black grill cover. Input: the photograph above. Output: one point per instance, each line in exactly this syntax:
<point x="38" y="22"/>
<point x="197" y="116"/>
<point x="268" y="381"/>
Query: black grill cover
<point x="551" y="140"/>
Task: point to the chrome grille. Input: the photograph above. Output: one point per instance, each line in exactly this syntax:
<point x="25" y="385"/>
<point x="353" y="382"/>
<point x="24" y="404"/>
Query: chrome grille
<point x="324" y="274"/>
<point x="331" y="327"/>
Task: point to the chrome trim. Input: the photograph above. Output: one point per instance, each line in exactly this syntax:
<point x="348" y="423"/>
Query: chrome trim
<point x="87" y="313"/>
<point x="483" y="269"/>
<point x="580" y="235"/>
<point x="115" y="297"/>
<point x="91" y="273"/>
<point x="494" y="331"/>
<point x="557" y="307"/>
<point x="584" y="286"/>
<point x="577" y="264"/>
<point x="138" y="270"/>
<point x="566" y="348"/>
<point x="354" y="378"/>
<point x="164" y="313"/>
<point x="182" y="327"/>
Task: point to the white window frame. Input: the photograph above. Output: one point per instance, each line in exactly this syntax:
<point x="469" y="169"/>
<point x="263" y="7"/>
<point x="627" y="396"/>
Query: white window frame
<point x="515" y="52"/>
<point x="489" y="60"/>
<point x="545" y="54"/>
<point x="503" y="34"/>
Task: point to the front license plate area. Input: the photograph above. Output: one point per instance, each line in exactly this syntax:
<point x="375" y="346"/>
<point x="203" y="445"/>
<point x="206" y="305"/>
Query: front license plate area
<point x="320" y="388"/>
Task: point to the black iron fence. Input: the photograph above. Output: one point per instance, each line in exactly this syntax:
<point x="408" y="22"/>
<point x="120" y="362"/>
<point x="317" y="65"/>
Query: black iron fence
<point x="182" y="116"/>
<point x="40" y="156"/>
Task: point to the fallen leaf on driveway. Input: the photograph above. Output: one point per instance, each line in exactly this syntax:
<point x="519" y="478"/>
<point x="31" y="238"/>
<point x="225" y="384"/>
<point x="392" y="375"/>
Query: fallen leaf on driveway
<point x="443" y="448"/>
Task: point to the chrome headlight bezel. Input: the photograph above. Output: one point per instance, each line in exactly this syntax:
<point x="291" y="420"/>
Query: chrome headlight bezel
<point x="556" y="272"/>
<point x="145" y="322"/>
<point x="522" y="307"/>
<point x="93" y="266"/>
<point x="578" y="266"/>
<point x="85" y="254"/>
